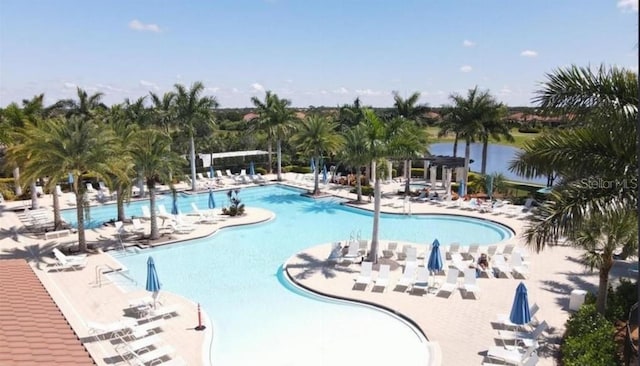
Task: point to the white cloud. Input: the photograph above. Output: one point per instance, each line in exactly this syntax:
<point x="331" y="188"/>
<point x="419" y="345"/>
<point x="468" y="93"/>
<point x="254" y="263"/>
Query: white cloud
<point x="529" y="53"/>
<point x="288" y="81"/>
<point x="505" y="91"/>
<point x="468" y="43"/>
<point x="368" y="92"/>
<point x="235" y="90"/>
<point x="341" y="90"/>
<point x="68" y="85"/>
<point x="466" y="68"/>
<point x="212" y="89"/>
<point x="149" y="84"/>
<point x="255" y="87"/>
<point x="628" y="5"/>
<point x="142" y="27"/>
<point x="324" y="92"/>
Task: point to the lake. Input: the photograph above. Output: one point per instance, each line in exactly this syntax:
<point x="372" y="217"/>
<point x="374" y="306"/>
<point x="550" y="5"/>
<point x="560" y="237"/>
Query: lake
<point x="498" y="159"/>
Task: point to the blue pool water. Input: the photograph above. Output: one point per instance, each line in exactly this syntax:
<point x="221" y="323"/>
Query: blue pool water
<point x="235" y="276"/>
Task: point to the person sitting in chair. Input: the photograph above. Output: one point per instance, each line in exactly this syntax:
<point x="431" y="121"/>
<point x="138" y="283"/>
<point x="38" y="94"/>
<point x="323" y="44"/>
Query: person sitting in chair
<point x="483" y="261"/>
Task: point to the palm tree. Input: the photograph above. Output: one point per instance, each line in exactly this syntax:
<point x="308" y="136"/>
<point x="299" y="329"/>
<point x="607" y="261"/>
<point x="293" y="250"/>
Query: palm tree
<point x="493" y="126"/>
<point x="154" y="160"/>
<point x="275" y="117"/>
<point x="409" y="141"/>
<point x="86" y="106"/>
<point x="602" y="235"/>
<point x="355" y="154"/>
<point x="450" y="125"/>
<point x="409" y="110"/>
<point x="350" y="115"/>
<point x="596" y="161"/>
<point x="77" y="145"/>
<point x="377" y="140"/>
<point x="317" y="136"/>
<point x="469" y="115"/>
<point x="193" y="111"/>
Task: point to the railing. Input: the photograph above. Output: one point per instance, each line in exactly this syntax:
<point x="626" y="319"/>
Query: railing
<point x="105" y="268"/>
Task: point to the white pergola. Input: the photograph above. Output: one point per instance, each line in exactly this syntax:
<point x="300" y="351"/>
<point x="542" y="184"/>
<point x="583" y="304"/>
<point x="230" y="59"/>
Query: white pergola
<point x="207" y="158"/>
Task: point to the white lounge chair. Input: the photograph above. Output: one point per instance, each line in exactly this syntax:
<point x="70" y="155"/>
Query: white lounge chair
<point x="458" y="263"/>
<point x="407" y="275"/>
<point x="127" y="349"/>
<point x="58" y="191"/>
<point x="382" y="281"/>
<point x="503" y="319"/>
<point x="500" y="266"/>
<point x="531" y="361"/>
<point x="150" y="357"/>
<point x="137" y="227"/>
<point x="73" y="262"/>
<point x="451" y="282"/>
<point x="518" y="267"/>
<point x="90" y="188"/>
<point x="118" y="328"/>
<point x="527" y="338"/>
<point x="146" y="213"/>
<point x="391" y="248"/>
<point x="353" y="251"/>
<point x="470" y="283"/>
<point x="364" y="278"/>
<point x="511" y="356"/>
<point x="422" y="280"/>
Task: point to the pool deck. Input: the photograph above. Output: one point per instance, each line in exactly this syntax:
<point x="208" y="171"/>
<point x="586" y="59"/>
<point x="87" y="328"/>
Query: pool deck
<point x="461" y="327"/>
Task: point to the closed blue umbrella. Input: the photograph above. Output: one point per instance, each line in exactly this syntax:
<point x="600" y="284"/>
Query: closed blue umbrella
<point x="461" y="189"/>
<point x="324" y="174"/>
<point x="489" y="186"/>
<point x="252" y="169"/>
<point x="70" y="178"/>
<point x="211" y="171"/>
<point x="435" y="259"/>
<point x="520" y="313"/>
<point x="212" y="202"/>
<point x="153" y="283"/>
<point x="313" y="165"/>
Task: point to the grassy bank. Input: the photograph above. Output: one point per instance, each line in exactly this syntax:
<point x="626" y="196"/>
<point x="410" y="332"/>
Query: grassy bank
<point x="519" y="137"/>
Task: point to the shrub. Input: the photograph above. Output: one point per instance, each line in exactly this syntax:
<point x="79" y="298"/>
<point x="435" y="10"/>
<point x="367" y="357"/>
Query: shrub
<point x="299" y="169"/>
<point x="589" y="339"/>
<point x="528" y="129"/>
<point x="620" y="300"/>
<point x="235" y="207"/>
<point x="6" y="189"/>
<point x="417" y="172"/>
<point x="263" y="171"/>
<point x="366" y="190"/>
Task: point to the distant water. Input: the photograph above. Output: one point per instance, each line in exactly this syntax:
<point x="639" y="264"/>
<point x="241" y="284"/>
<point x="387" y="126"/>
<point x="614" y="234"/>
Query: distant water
<point x="498" y="159"/>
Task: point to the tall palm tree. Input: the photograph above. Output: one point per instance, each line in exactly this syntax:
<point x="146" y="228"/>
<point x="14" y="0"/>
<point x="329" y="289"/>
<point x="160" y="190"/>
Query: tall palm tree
<point x="276" y="118"/>
<point x="86" y="106"/>
<point x="596" y="161"/>
<point x="350" y="115"/>
<point x="355" y="154"/>
<point x="377" y="141"/>
<point x="154" y="160"/>
<point x="77" y="145"/>
<point x="409" y="110"/>
<point x="470" y="113"/>
<point x="193" y="111"/>
<point x="409" y="142"/>
<point x="493" y="126"/>
<point x="602" y="235"/>
<point x="448" y="125"/>
<point x="317" y="136"/>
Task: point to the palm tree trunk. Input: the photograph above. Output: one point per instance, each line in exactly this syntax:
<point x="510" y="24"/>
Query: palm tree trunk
<point x="16" y="181"/>
<point x="192" y="152"/>
<point x="279" y="157"/>
<point x="82" y="240"/>
<point x="467" y="158"/>
<point x="485" y="147"/>
<point x="407" y="183"/>
<point x="373" y="253"/>
<point x="359" y="184"/>
<point x="270" y="151"/>
<point x="57" y="219"/>
<point x="603" y="286"/>
<point x="316" y="183"/>
<point x="120" y="202"/>
<point x="455" y="146"/>
<point x="34" y="197"/>
<point x="155" y="232"/>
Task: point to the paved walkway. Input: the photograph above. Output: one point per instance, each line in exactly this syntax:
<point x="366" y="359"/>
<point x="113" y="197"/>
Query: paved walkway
<point x="461" y="327"/>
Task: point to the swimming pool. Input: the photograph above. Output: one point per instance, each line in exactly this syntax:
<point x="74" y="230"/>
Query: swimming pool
<point x="236" y="276"/>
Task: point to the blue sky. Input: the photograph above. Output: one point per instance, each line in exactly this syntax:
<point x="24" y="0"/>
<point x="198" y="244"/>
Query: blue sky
<point x="312" y="52"/>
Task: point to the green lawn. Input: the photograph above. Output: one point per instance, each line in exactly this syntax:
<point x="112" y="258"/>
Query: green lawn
<point x="519" y="137"/>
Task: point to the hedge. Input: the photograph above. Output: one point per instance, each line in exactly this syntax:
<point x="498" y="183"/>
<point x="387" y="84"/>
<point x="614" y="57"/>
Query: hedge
<point x="589" y="339"/>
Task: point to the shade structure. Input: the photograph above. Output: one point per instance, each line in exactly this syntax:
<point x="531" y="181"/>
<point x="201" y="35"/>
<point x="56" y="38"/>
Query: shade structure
<point x="174" y="205"/>
<point x="211" y="172"/>
<point x="324" y="174"/>
<point x="212" y="201"/>
<point x="489" y="186"/>
<point x="153" y="283"/>
<point x="435" y="259"/>
<point x="461" y="188"/>
<point x="520" y="313"/>
<point x="313" y="165"/>
<point x="252" y="169"/>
